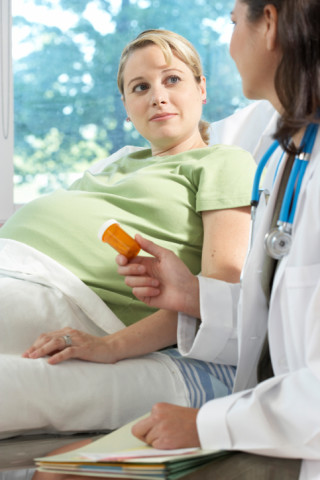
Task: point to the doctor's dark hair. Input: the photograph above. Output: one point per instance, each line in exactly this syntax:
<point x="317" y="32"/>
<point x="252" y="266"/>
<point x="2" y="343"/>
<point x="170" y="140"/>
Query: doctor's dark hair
<point x="297" y="80"/>
<point x="170" y="44"/>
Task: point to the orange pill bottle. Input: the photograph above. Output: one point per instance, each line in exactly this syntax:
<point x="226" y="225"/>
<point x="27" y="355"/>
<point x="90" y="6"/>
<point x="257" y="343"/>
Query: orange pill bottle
<point x="116" y="237"/>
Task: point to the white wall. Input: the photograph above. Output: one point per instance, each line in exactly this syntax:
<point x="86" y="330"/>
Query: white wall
<point x="6" y="112"/>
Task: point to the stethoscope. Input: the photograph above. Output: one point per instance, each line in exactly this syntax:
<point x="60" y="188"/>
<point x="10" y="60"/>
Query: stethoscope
<point x="278" y="240"/>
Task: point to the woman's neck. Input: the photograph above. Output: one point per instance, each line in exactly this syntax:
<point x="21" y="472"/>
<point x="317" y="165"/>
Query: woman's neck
<point x="184" y="146"/>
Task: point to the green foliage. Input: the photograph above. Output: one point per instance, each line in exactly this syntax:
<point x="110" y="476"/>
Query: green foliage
<point x="68" y="111"/>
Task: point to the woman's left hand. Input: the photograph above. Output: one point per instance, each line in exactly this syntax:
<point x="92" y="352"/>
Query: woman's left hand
<point x="70" y="343"/>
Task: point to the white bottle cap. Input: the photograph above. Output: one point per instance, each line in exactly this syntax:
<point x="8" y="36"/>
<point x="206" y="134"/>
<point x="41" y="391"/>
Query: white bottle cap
<point x="104" y="227"/>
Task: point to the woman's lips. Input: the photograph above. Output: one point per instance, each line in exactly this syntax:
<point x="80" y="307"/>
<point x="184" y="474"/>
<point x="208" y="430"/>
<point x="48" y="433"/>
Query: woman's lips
<point x="162" y="116"/>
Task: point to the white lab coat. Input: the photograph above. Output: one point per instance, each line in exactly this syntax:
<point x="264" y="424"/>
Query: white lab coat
<point x="281" y="416"/>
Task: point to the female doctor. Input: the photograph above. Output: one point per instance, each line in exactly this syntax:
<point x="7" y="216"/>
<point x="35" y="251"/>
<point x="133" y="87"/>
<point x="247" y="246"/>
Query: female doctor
<point x="274" y="412"/>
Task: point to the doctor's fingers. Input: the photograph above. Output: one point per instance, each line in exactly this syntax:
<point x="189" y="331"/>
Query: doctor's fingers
<point x="133" y="268"/>
<point x="137" y="266"/>
<point x="154" y="431"/>
<point x="170" y="426"/>
<point x="151" y="247"/>
<point x="150" y="429"/>
<point x="133" y="281"/>
<point x="143" y="429"/>
<point x="149" y="296"/>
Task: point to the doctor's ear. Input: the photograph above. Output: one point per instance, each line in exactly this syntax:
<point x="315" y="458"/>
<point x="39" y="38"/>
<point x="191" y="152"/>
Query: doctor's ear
<point x="271" y="20"/>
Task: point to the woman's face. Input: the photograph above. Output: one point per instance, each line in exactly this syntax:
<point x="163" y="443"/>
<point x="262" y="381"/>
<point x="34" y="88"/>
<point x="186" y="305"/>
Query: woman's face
<point x="164" y="102"/>
<point x="254" y="50"/>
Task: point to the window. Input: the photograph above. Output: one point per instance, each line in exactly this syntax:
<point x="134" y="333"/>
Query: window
<point x="6" y="114"/>
<point x="67" y="109"/>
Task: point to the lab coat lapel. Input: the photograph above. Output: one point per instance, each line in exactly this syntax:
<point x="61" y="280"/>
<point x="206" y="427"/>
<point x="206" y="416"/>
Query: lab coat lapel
<point x="310" y="171"/>
<point x="253" y="312"/>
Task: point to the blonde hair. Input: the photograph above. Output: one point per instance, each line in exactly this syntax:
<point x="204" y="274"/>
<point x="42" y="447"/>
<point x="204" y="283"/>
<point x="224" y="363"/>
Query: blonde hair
<point x="170" y="44"/>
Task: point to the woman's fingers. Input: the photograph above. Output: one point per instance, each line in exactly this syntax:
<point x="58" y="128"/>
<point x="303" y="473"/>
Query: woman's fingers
<point x="53" y="342"/>
<point x="48" y="342"/>
<point x="70" y="343"/>
<point x="70" y="352"/>
<point x="47" y="347"/>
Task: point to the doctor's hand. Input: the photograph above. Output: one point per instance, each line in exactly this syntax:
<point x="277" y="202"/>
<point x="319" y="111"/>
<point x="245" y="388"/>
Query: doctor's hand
<point x="161" y="281"/>
<point x="169" y="427"/>
<point x="68" y="343"/>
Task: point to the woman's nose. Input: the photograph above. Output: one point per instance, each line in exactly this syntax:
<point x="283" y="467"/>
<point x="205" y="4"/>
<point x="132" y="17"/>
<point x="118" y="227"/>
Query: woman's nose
<point x="159" y="101"/>
<point x="159" y="98"/>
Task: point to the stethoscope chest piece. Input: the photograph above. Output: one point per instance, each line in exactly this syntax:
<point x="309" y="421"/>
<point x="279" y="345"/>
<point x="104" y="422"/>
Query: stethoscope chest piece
<point x="278" y="242"/>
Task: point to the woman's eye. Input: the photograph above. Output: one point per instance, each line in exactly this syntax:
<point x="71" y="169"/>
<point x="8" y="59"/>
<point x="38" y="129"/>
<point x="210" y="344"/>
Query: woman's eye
<point x="173" y="79"/>
<point x="141" y="87"/>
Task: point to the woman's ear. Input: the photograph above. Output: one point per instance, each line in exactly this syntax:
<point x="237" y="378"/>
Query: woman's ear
<point x="271" y="20"/>
<point x="203" y="88"/>
<point x="124" y="104"/>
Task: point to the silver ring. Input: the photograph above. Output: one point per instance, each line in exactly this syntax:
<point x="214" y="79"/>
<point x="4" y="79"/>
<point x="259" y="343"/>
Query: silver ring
<point x="67" y="340"/>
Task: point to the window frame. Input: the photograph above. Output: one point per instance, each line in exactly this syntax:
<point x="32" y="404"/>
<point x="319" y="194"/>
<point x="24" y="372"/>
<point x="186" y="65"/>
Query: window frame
<point x="6" y="116"/>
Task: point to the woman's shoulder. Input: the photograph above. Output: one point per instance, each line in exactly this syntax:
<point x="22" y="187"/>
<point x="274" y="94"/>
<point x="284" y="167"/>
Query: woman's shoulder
<point x="221" y="148"/>
<point x="224" y="155"/>
<point x="140" y="154"/>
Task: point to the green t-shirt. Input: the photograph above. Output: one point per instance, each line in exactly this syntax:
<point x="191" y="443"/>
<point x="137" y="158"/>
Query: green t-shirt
<point x="159" y="197"/>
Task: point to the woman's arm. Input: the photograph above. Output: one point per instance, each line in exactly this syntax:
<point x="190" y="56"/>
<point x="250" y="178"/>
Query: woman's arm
<point x="152" y="333"/>
<point x="225" y="243"/>
<point x="224" y="247"/>
<point x="163" y="281"/>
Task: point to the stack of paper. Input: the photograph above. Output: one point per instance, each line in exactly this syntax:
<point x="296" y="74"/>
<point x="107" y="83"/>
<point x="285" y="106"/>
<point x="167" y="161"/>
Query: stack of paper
<point x="121" y="455"/>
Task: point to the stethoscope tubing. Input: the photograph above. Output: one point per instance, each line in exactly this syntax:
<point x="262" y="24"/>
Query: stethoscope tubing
<point x="295" y="180"/>
<point x="256" y="182"/>
<point x="293" y="187"/>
